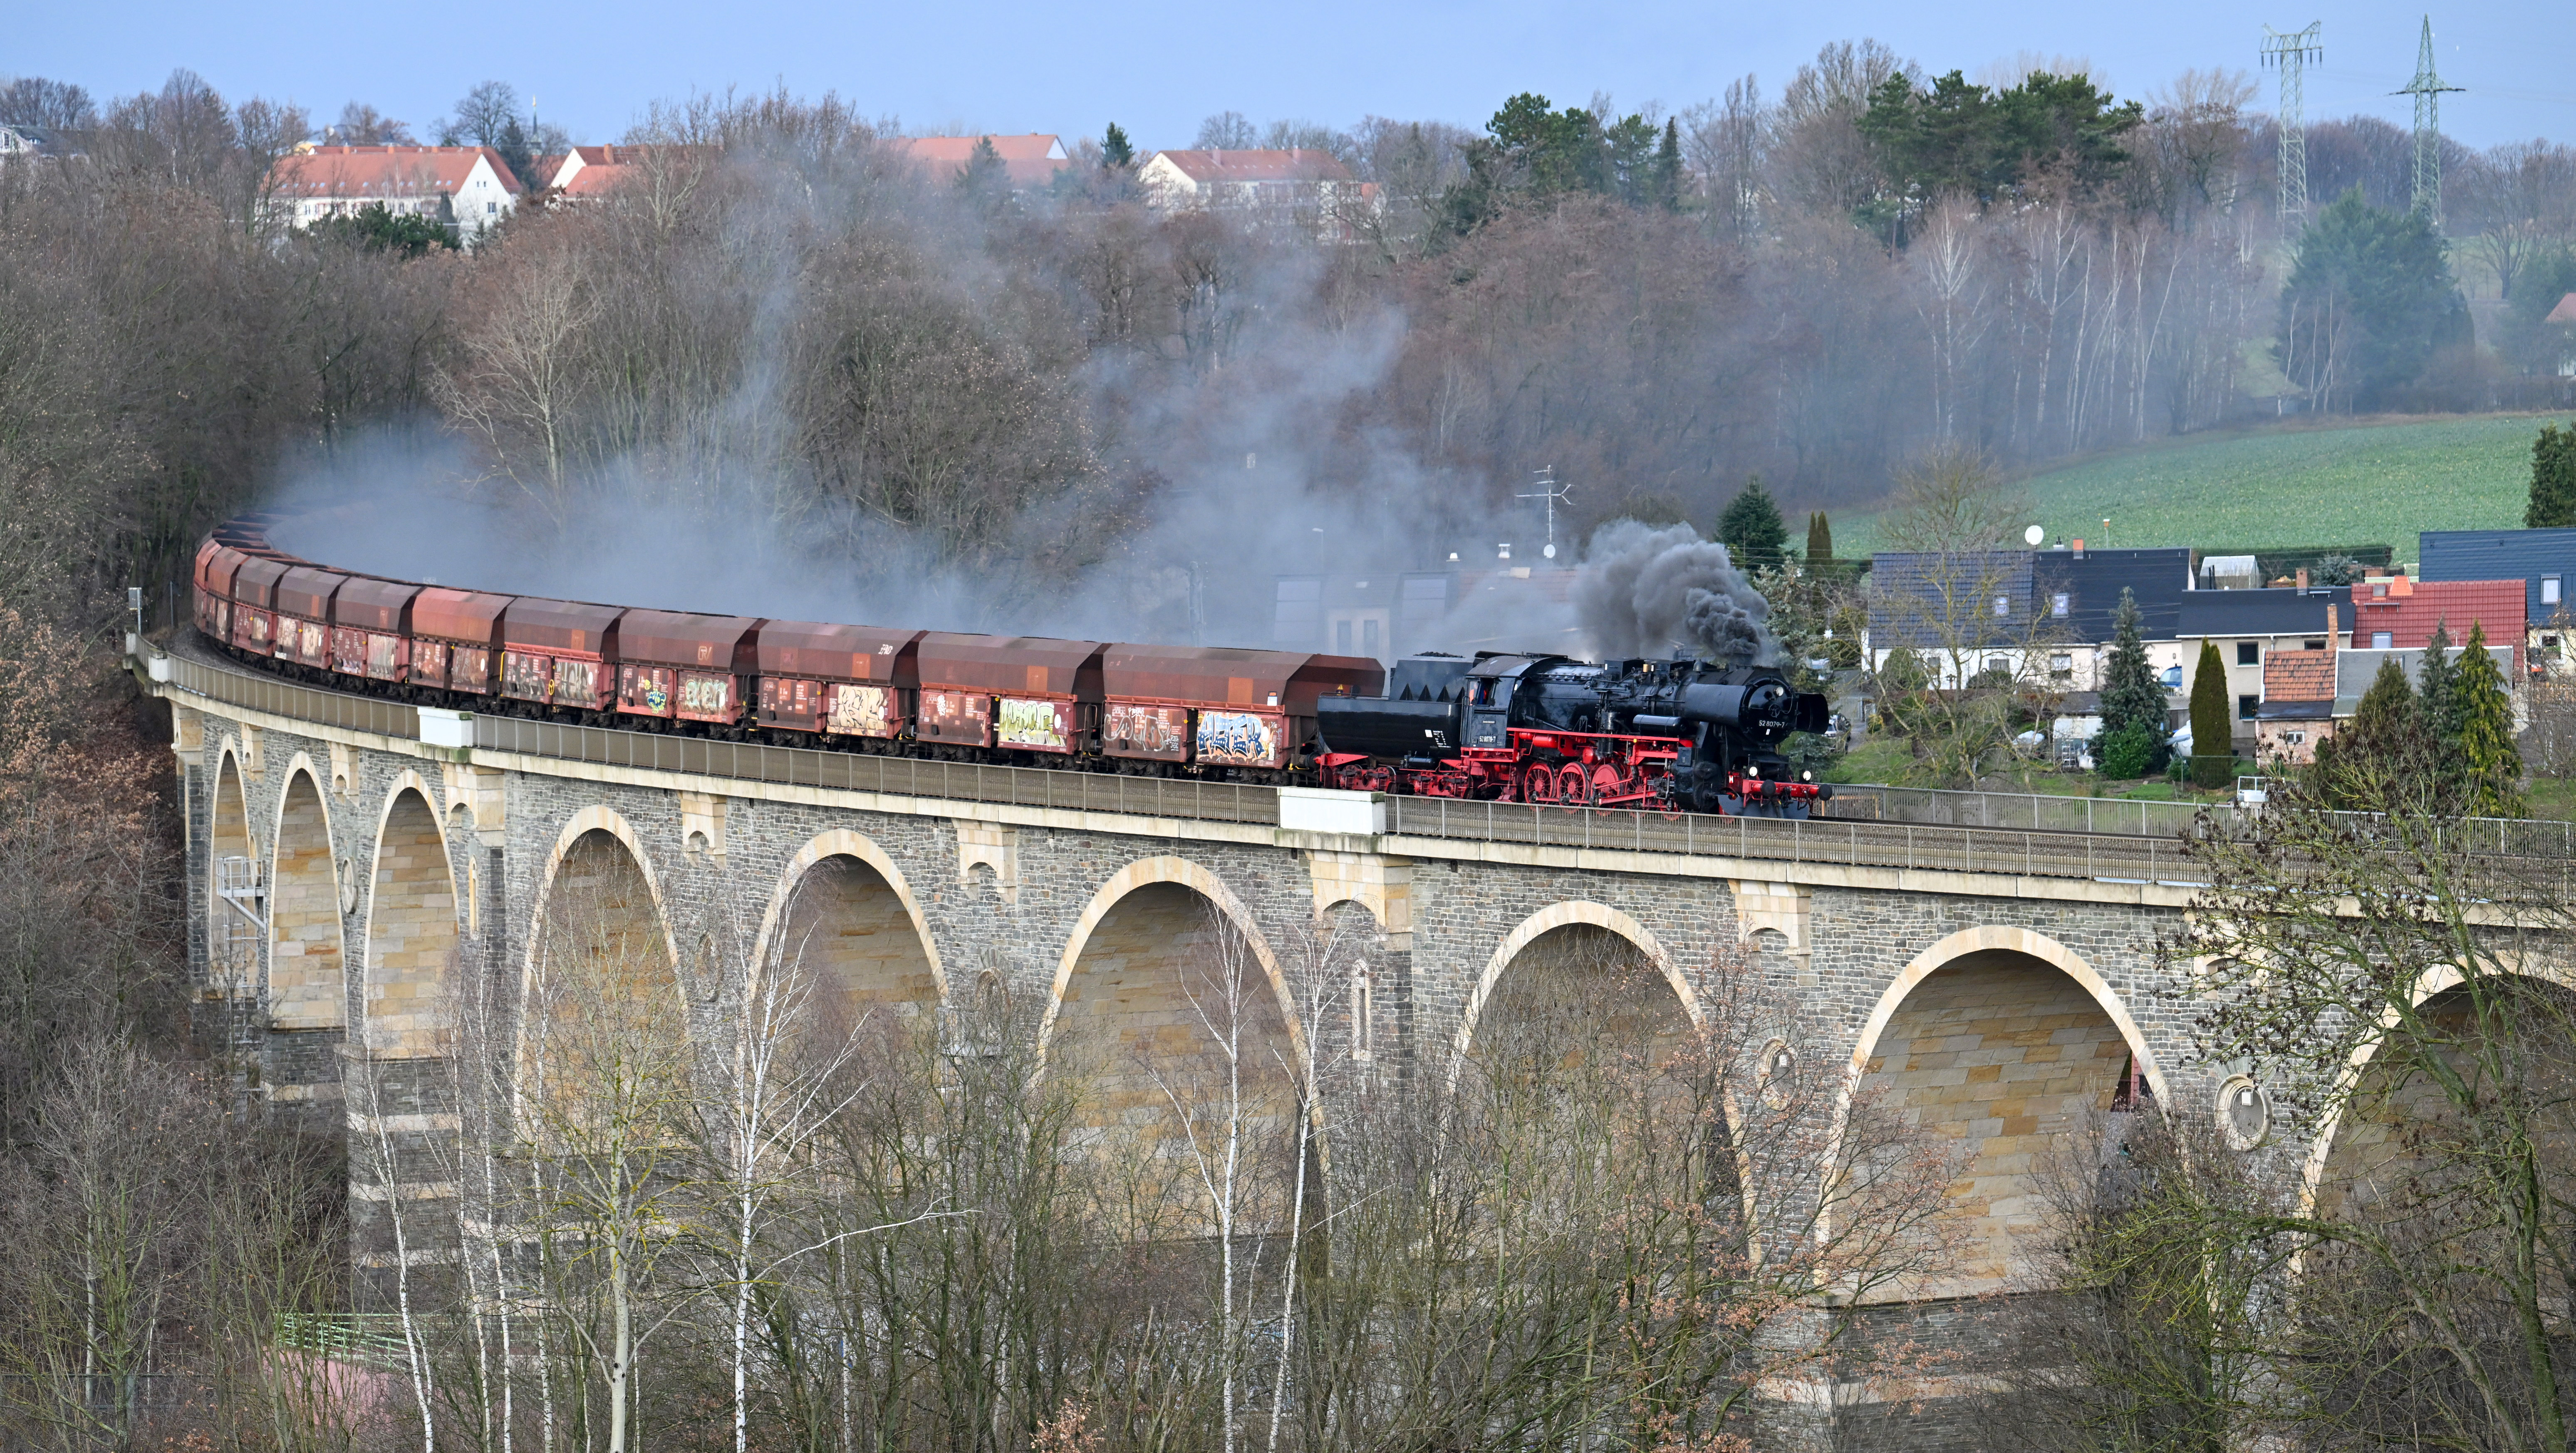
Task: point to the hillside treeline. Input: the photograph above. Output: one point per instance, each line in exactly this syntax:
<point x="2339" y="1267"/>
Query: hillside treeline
<point x="784" y="320"/>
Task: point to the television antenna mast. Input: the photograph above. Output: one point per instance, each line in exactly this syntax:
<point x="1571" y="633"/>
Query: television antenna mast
<point x="2291" y="51"/>
<point x="1550" y="491"/>
<point x="2427" y="89"/>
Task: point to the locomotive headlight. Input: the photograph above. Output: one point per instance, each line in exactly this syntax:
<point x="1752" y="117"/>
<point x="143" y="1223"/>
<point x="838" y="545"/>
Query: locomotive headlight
<point x="1753" y="769"/>
<point x="1808" y="776"/>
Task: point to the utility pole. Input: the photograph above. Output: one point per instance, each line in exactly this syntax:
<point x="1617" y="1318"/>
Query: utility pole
<point x="2291" y="51"/>
<point x="1550" y="491"/>
<point x="2427" y="89"/>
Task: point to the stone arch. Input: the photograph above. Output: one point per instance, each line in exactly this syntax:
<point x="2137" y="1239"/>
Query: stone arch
<point x="411" y="937"/>
<point x="1141" y="992"/>
<point x="844" y="907"/>
<point x="232" y="934"/>
<point x="600" y="988"/>
<point x="307" y="982"/>
<point x="1554" y="919"/>
<point x="2002" y="1040"/>
<point x="2339" y="1137"/>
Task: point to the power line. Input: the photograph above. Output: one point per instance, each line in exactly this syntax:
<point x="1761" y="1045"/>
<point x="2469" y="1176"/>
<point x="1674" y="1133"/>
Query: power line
<point x="2290" y="51"/>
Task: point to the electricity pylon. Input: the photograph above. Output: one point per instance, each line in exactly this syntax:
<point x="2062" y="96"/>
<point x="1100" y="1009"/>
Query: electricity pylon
<point x="2291" y="51"/>
<point x="2427" y="89"/>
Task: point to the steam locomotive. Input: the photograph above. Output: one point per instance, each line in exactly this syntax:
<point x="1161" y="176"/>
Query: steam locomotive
<point x="1679" y="735"/>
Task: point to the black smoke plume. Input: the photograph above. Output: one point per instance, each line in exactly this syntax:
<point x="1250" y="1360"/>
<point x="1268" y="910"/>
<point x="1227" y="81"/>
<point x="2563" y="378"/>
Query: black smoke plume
<point x="1654" y="592"/>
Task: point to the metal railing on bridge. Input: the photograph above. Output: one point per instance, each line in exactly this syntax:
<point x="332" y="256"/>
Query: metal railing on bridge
<point x="2022" y="834"/>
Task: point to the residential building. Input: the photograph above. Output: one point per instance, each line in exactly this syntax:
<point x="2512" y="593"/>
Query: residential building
<point x="467" y="188"/>
<point x="2298" y="707"/>
<point x="2249" y="627"/>
<point x="2046" y="616"/>
<point x="2355" y="668"/>
<point x="1029" y="163"/>
<point x="2395" y="612"/>
<point x="1300" y="186"/>
<point x="28" y="143"/>
<point x="2543" y="560"/>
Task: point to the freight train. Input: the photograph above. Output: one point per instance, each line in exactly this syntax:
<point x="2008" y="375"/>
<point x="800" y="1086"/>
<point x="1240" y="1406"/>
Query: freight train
<point x="1675" y="735"/>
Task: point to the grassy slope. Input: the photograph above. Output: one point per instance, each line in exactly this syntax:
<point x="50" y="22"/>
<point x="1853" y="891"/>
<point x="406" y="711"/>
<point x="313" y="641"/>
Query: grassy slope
<point x="2354" y="485"/>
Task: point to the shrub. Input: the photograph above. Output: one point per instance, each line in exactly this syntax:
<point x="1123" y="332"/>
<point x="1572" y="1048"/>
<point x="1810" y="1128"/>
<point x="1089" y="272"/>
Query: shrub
<point x="2128" y="752"/>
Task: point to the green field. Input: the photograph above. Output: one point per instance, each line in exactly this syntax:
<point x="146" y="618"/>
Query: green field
<point x="2356" y="485"/>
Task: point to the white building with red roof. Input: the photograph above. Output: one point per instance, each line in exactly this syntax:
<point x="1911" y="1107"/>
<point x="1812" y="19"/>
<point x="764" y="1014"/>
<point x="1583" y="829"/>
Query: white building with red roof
<point x="1031" y="162"/>
<point x="1298" y="184"/>
<point x="467" y="188"/>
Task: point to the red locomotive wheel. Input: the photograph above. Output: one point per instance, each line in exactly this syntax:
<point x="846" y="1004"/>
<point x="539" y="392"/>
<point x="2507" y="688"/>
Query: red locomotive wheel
<point x="1539" y="785"/>
<point x="1572" y="787"/>
<point x="1607" y="783"/>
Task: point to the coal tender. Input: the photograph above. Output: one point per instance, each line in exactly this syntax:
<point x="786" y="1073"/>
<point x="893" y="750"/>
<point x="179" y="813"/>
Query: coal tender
<point x="1675" y="736"/>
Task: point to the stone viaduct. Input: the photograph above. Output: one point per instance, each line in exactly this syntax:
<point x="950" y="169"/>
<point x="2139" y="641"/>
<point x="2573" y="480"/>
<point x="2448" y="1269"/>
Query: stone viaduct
<point x="349" y="858"/>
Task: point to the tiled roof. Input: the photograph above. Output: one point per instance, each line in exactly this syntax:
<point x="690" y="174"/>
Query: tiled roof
<point x="1297" y="164"/>
<point x="2500" y="554"/>
<point x="1028" y="161"/>
<point x="2160" y="579"/>
<point x="1943" y="601"/>
<point x="2270" y="611"/>
<point x="383" y="171"/>
<point x="2299" y="676"/>
<point x="2565" y="312"/>
<point x="2409" y="618"/>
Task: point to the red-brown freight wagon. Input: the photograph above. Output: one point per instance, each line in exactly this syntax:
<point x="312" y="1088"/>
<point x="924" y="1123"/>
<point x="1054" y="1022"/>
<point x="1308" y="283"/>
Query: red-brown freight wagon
<point x="254" y="586"/>
<point x="692" y="667"/>
<point x="456" y="639"/>
<point x="303" y="605"/>
<point x="1023" y="693"/>
<point x="371" y="628"/>
<point x="560" y="653"/>
<point x="1219" y="706"/>
<point x="216" y="564"/>
<point x="847" y="681"/>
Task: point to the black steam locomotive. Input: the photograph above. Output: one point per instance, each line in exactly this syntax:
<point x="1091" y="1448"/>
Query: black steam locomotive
<point x="1672" y="735"/>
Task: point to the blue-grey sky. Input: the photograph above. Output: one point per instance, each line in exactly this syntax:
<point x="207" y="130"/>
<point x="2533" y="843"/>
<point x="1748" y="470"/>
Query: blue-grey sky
<point x="1157" y="67"/>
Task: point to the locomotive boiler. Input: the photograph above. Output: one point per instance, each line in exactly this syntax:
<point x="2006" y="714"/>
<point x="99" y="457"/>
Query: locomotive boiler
<point x="1679" y="735"/>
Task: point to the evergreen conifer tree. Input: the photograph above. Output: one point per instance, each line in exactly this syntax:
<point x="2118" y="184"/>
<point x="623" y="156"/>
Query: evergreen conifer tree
<point x="1668" y="167"/>
<point x="1115" y="149"/>
<point x="2382" y="752"/>
<point x="2131" y="697"/>
<point x="1751" y="529"/>
<point x="2486" y="745"/>
<point x="1820" y="537"/>
<point x="2553" y="479"/>
<point x="2212" y="733"/>
<point x="2436" y="686"/>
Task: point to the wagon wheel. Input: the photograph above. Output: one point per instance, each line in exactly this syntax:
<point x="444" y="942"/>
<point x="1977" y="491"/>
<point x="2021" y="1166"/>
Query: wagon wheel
<point x="1538" y="784"/>
<point x="1573" y="786"/>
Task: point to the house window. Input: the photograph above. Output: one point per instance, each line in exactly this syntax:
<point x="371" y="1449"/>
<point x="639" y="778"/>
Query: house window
<point x="1368" y="636"/>
<point x="2313" y="645"/>
<point x="491" y="207"/>
<point x="2379" y="640"/>
<point x="1998" y="666"/>
<point x="2245" y="706"/>
<point x="2003" y="605"/>
<point x="2549" y="590"/>
<point x="1341" y="638"/>
<point x="2057" y="604"/>
<point x="2295" y="739"/>
<point x="2248" y="654"/>
<point x="2061" y="665"/>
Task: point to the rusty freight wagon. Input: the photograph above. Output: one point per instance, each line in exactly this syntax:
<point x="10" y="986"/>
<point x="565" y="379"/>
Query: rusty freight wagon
<point x="843" y="681"/>
<point x="684" y="667"/>
<point x="456" y="639"/>
<point x="560" y="653"/>
<point x="216" y="564"/>
<point x="371" y="628"/>
<point x="1019" y="693"/>
<point x="303" y="606"/>
<point x="254" y="592"/>
<point x="1218" y="706"/>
